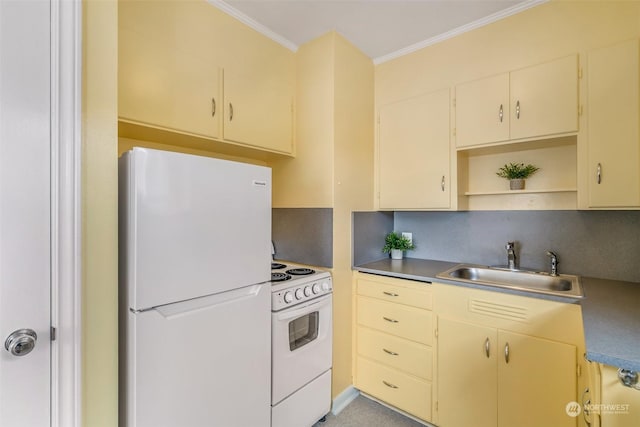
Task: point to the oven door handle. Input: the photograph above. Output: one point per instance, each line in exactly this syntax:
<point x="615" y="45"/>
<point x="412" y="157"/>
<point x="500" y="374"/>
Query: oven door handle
<point x="308" y="308"/>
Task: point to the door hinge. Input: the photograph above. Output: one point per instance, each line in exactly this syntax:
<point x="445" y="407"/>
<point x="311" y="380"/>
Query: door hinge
<point x="53" y="334"/>
<point x="580" y="110"/>
<point x="580" y="72"/>
<point x="436" y="406"/>
<point x="454" y="102"/>
<point x="435" y="332"/>
<point x="579" y="370"/>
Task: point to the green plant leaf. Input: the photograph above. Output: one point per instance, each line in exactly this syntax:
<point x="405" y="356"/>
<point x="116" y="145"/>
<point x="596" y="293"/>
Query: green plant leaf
<point x="516" y="171"/>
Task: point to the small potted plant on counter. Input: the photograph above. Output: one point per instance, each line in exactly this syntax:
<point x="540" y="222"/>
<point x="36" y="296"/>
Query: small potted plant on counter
<point x="516" y="173"/>
<point x="396" y="244"/>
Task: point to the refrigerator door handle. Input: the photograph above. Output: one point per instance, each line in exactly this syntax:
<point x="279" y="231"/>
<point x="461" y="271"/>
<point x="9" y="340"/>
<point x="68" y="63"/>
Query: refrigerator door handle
<point x="182" y="308"/>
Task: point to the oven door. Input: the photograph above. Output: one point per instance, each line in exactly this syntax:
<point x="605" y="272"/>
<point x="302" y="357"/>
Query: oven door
<point x="301" y="346"/>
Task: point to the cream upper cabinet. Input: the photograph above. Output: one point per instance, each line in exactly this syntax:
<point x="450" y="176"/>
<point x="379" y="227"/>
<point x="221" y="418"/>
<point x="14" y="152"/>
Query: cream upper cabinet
<point x="613" y="165"/>
<point x="544" y="99"/>
<point x="482" y="111"/>
<point x="258" y="111"/>
<point x="414" y="153"/>
<point x="167" y="88"/>
<point x="191" y="73"/>
<point x="537" y="101"/>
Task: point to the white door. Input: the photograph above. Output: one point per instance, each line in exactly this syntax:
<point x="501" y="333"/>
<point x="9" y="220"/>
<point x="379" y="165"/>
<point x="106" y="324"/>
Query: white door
<point x="25" y="266"/>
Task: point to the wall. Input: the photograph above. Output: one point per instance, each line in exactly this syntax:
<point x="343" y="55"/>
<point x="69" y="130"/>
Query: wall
<point x="602" y="244"/>
<point x="99" y="215"/>
<point x="353" y="187"/>
<point x="303" y="235"/>
<point x="333" y="167"/>
<point x="306" y="181"/>
<point x="545" y="32"/>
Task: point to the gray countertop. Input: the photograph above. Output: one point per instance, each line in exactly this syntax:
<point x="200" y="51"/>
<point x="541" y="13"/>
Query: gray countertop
<point x="610" y="309"/>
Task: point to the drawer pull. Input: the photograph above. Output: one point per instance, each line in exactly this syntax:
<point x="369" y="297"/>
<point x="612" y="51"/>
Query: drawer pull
<point x="389" y="384"/>
<point x="487" y="348"/>
<point x="506" y="353"/>
<point x="391" y="294"/>
<point x="390" y="320"/>
<point x="393" y="353"/>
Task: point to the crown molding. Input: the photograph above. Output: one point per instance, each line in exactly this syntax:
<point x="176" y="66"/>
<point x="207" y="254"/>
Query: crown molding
<point x="520" y="7"/>
<point x="253" y="24"/>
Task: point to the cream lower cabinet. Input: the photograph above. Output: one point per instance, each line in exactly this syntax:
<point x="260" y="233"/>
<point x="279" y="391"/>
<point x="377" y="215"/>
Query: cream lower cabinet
<point x="413" y="161"/>
<point x="613" y="165"/>
<point x="502" y="361"/>
<point x="393" y="338"/>
<point x="607" y="402"/>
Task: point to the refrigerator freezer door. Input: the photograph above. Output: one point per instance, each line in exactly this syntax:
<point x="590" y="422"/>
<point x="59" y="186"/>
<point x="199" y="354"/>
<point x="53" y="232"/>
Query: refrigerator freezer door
<point x="191" y="226"/>
<point x="189" y="364"/>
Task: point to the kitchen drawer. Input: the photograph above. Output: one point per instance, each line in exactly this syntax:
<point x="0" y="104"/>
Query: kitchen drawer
<point x="403" y="391"/>
<point x="396" y="290"/>
<point x="396" y="319"/>
<point x="398" y="353"/>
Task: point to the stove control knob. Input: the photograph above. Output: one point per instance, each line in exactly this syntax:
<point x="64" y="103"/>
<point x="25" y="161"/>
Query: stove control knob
<point x="299" y="294"/>
<point x="325" y="286"/>
<point x="288" y="297"/>
<point x="307" y="291"/>
<point x="315" y="288"/>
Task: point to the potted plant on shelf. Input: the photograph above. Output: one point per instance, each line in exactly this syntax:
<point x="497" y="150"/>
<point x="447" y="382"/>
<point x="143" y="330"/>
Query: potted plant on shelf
<point x="396" y="244"/>
<point x="516" y="173"/>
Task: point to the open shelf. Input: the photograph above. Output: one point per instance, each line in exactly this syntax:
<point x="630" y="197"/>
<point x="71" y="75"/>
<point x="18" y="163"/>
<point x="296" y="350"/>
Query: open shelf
<point x="526" y="191"/>
<point x="554" y="186"/>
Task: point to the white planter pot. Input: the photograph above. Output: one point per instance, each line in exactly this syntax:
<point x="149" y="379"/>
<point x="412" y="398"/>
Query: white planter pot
<point x="396" y="253"/>
<point x="516" y="184"/>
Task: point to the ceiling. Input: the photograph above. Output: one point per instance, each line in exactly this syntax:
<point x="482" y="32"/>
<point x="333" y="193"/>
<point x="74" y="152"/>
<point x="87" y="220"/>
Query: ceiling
<point x="382" y="29"/>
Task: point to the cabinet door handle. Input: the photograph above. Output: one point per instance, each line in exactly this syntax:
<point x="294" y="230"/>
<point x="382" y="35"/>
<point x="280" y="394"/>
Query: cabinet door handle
<point x="391" y="294"/>
<point x="390" y="320"/>
<point x="213" y="107"/>
<point x="506" y="352"/>
<point x="389" y="384"/>
<point x="518" y="109"/>
<point x="501" y="113"/>
<point x="230" y="111"/>
<point x="393" y="353"/>
<point x="599" y="174"/>
<point x="586" y="405"/>
<point x="487" y="347"/>
<point x="442" y="183"/>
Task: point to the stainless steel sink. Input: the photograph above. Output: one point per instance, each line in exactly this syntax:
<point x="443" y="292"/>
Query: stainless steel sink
<point x="562" y="285"/>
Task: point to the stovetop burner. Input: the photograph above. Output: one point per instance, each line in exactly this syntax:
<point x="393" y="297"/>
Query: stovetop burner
<point x="277" y="266"/>
<point x="300" y="271"/>
<point x="279" y="277"/>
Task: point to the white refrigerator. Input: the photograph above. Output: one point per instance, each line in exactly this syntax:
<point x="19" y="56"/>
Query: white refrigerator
<point x="195" y="305"/>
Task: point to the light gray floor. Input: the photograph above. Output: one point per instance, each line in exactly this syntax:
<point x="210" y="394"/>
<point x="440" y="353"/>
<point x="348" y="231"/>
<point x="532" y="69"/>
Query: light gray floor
<point x="363" y="412"/>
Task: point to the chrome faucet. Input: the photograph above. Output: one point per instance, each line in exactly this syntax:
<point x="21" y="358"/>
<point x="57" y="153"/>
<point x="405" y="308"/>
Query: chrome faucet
<point x="553" y="266"/>
<point x="512" y="259"/>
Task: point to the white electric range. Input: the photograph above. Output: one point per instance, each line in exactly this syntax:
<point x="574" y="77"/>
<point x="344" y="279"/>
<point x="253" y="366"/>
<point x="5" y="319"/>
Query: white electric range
<point x="301" y="344"/>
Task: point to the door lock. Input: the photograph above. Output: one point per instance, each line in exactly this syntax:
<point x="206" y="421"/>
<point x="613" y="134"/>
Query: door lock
<point x="21" y="342"/>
